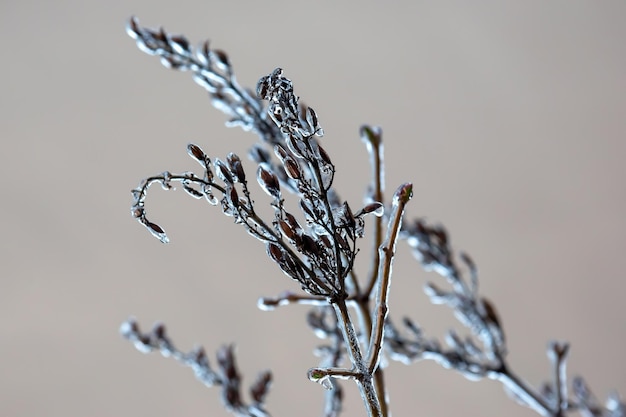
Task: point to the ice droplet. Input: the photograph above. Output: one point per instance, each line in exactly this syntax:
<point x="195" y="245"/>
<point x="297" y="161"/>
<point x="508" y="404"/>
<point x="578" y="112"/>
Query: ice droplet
<point x="322" y="378"/>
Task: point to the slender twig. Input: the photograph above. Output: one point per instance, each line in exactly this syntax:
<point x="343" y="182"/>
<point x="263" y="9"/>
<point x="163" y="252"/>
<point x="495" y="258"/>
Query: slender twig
<point x="387" y="249"/>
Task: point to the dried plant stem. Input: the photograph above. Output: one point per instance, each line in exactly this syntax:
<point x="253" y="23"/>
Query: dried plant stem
<point x="320" y="254"/>
<point x="526" y="393"/>
<point x="373" y="141"/>
<point x="364" y="377"/>
<point x="400" y="199"/>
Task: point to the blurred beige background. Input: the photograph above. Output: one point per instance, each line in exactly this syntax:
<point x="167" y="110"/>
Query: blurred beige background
<point x="509" y="117"/>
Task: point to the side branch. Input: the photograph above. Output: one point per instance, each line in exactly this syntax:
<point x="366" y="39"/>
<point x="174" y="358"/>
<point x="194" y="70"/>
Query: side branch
<point x="400" y="199"/>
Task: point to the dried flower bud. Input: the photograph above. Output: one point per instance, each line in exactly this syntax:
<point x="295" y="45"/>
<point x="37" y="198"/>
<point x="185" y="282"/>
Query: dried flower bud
<point x="268" y="181"/>
<point x="234" y="162"/>
<point x="375" y="208"/>
<point x="196" y="152"/>
<point x="259" y="389"/>
<point x="158" y="331"/>
<point x="287" y="231"/>
<point x="232" y="196"/>
<point x="179" y="44"/>
<point x="157" y="231"/>
<point x="223" y="172"/>
<point x="221" y="60"/>
<point x="292" y="168"/>
<point x="275" y="252"/>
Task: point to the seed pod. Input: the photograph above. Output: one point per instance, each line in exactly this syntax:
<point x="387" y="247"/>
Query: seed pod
<point x="309" y="245"/>
<point x="179" y="44"/>
<point x="232" y="198"/>
<point x="288" y="232"/>
<point x="221" y="60"/>
<point x="293" y="223"/>
<point x="157" y="231"/>
<point x="280" y="152"/>
<point x="375" y="208"/>
<point x="195" y="152"/>
<point x="223" y="172"/>
<point x="292" y="168"/>
<point x="268" y="181"/>
<point x="236" y="167"/>
<point x="275" y="252"/>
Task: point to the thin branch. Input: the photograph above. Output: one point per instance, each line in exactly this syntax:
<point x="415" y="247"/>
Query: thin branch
<point x="387" y="250"/>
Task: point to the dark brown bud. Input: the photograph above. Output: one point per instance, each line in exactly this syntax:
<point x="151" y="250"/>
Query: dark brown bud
<point x="236" y="167"/>
<point x="221" y="60"/>
<point x="275" y="252"/>
<point x="288" y="232"/>
<point x="179" y="44"/>
<point x="268" y="181"/>
<point x="195" y="152"/>
<point x="223" y="172"/>
<point x="292" y="168"/>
